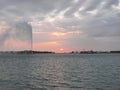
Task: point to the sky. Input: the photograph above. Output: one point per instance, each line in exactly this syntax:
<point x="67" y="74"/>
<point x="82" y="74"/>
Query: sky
<point x="59" y="25"/>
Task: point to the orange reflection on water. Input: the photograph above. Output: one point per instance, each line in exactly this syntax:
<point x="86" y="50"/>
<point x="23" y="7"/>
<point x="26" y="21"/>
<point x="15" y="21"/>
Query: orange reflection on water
<point x="54" y="71"/>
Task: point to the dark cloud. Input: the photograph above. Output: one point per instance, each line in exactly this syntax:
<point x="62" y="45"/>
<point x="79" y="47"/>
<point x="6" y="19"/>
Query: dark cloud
<point x="92" y="4"/>
<point x="110" y="3"/>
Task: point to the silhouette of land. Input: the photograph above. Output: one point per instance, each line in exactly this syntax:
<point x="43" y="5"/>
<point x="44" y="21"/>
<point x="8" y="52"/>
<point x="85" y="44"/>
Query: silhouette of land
<point x="95" y="52"/>
<point x="49" y="52"/>
<point x="29" y="52"/>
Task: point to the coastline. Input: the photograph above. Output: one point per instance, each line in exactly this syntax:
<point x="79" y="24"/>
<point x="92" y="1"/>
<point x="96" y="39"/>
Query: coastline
<point x="50" y="52"/>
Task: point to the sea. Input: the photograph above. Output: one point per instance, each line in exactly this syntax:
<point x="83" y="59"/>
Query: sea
<point x="59" y="71"/>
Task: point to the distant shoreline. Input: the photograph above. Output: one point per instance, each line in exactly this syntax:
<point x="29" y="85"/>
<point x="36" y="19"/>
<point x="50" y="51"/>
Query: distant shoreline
<point x="50" y="52"/>
<point x="96" y="52"/>
<point x="28" y="52"/>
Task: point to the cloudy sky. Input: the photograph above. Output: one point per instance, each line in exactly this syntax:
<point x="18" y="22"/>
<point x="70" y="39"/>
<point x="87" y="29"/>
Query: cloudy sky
<point x="60" y="25"/>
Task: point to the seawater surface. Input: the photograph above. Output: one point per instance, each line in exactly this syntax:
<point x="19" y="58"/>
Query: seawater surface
<point x="59" y="71"/>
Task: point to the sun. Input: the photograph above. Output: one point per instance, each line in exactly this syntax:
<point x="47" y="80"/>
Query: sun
<point x="61" y="49"/>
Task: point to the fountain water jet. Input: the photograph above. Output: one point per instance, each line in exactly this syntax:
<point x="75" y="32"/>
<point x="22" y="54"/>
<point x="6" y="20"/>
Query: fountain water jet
<point x="17" y="31"/>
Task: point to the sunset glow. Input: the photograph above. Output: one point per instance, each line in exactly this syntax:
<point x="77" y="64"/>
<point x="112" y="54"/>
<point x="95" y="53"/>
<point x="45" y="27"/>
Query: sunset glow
<point x="61" y="49"/>
<point x="60" y="25"/>
<point x="17" y="45"/>
<point x="58" y="33"/>
<point x="42" y="44"/>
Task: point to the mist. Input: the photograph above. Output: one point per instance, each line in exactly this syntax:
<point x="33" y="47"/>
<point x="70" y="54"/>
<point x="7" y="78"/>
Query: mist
<point x="17" y="31"/>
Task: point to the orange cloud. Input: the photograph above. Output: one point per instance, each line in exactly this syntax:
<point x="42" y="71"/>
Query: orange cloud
<point x="58" y="33"/>
<point x="17" y="45"/>
<point x="40" y="44"/>
<point x="51" y="45"/>
<point x="65" y="33"/>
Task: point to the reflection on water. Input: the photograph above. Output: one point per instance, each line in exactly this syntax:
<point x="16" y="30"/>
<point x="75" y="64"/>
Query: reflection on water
<point x="59" y="72"/>
<point x="51" y="73"/>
